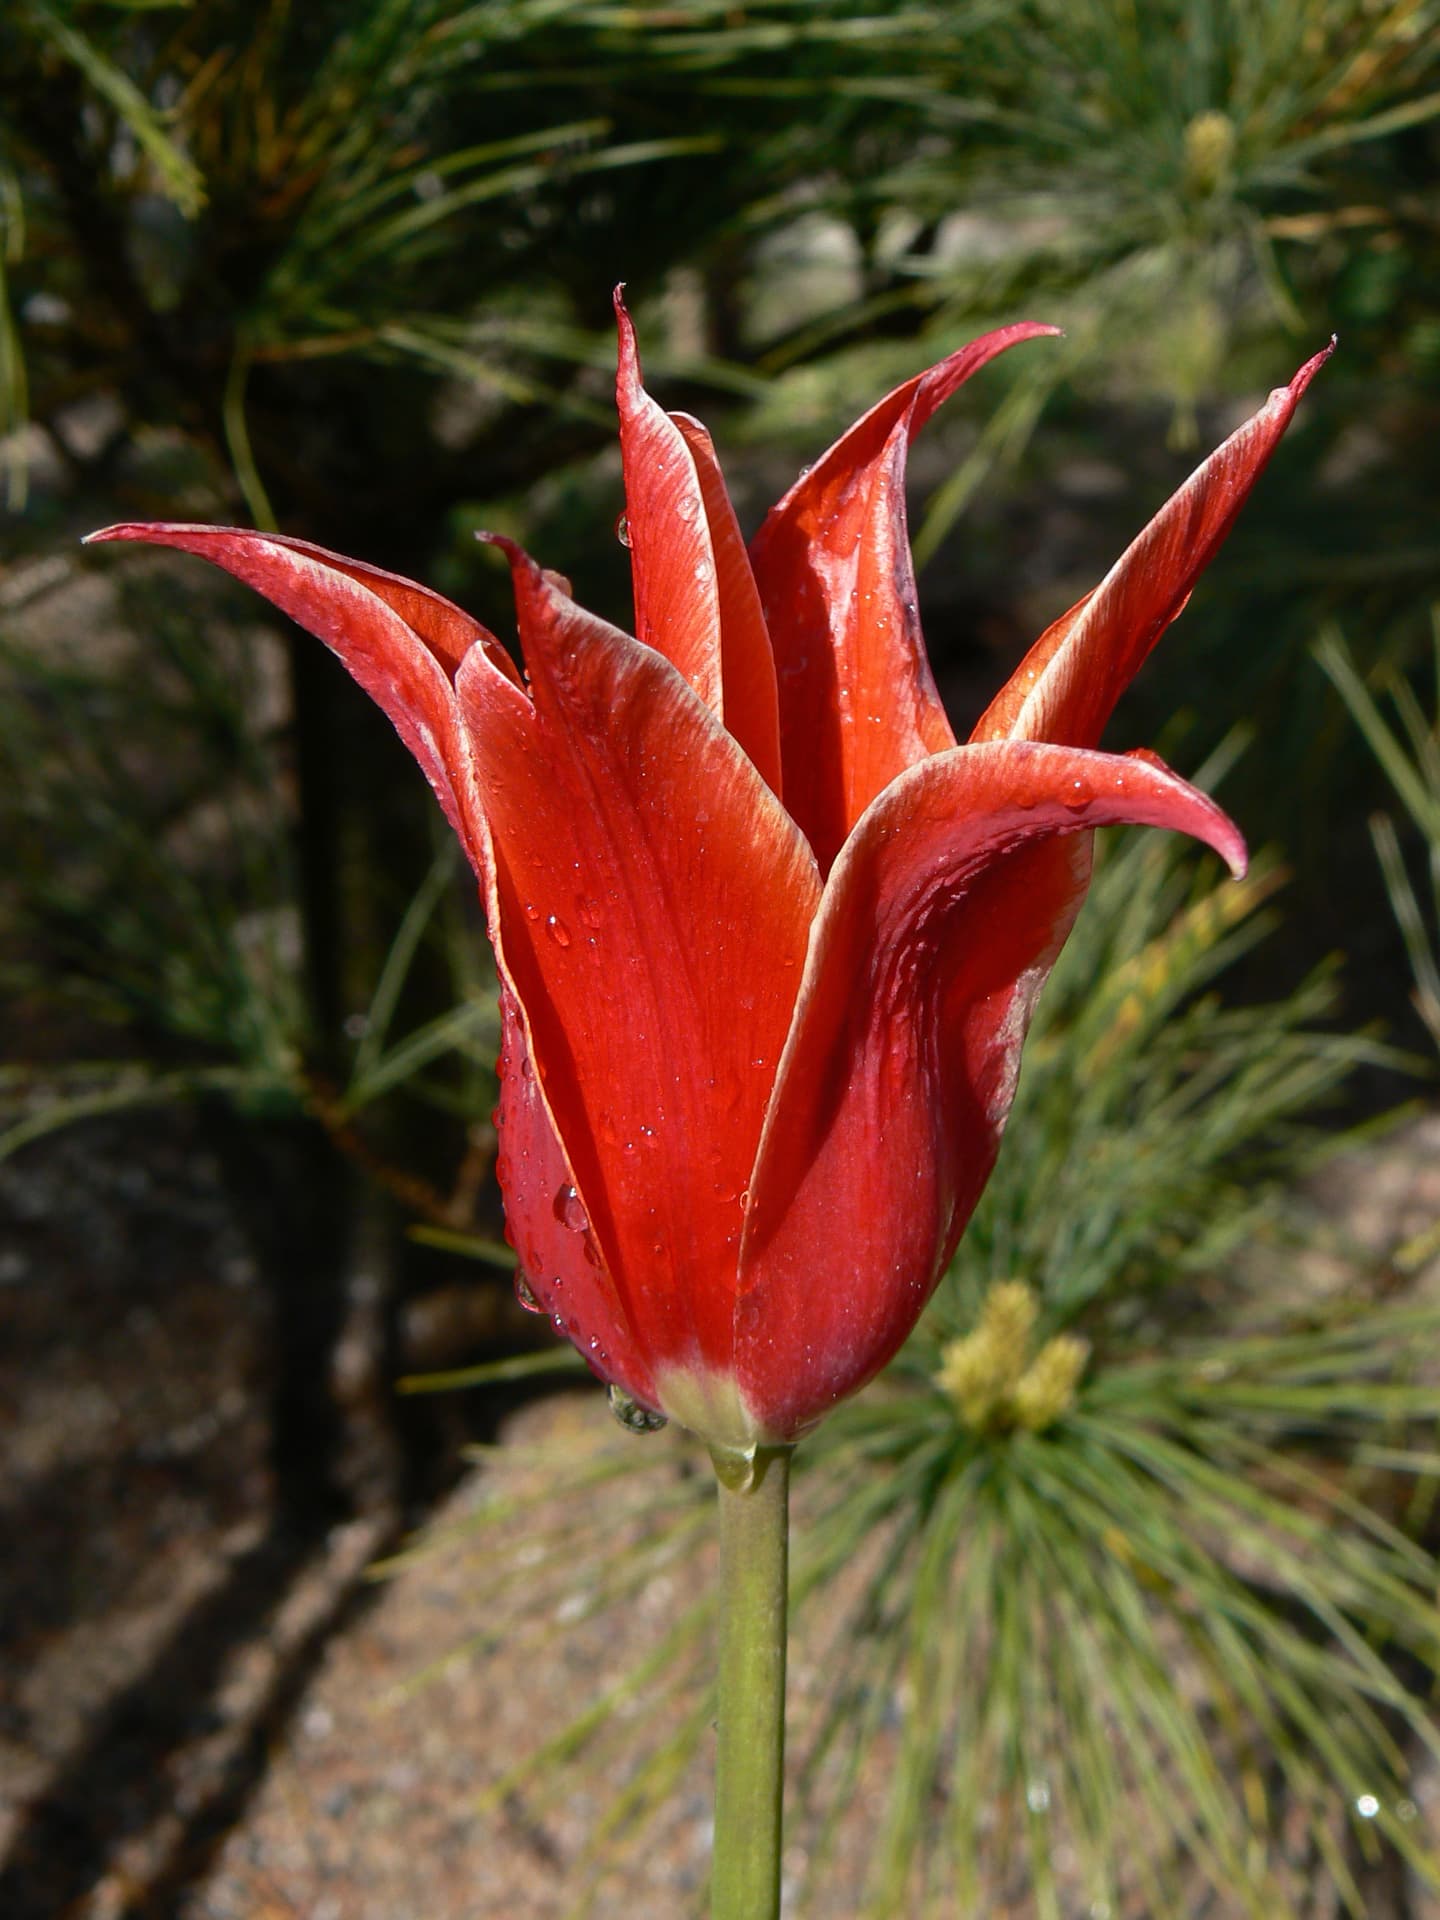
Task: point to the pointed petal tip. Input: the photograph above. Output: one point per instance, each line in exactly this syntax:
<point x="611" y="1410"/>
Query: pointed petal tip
<point x="628" y="380"/>
<point x="1311" y="367"/>
<point x="122" y="530"/>
<point x="512" y="550"/>
<point x="1213" y="826"/>
<point x="1228" y="841"/>
<point x="1021" y="330"/>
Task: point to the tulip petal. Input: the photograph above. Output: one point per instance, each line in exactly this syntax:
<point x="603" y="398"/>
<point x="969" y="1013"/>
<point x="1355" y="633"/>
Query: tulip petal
<point x="654" y="906"/>
<point x="672" y="561"/>
<point x="938" y="927"/>
<point x="858" y="703"/>
<point x="1066" y="687"/>
<point x="400" y="641"/>
<point x="751" y="703"/>
<point x="560" y="1261"/>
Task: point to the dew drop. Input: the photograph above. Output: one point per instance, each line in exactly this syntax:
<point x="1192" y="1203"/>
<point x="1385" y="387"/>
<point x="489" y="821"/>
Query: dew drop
<point x="622" y="530"/>
<point x="532" y="912"/>
<point x="589" y="912"/>
<point x="688" y="506"/>
<point x="557" y="930"/>
<point x="569" y="1210"/>
<point x="525" y="1296"/>
<point x="629" y="1412"/>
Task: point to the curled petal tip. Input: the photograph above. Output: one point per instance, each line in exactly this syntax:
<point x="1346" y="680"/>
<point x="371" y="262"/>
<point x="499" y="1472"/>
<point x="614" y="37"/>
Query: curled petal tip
<point x="1311" y="367"/>
<point x="1229" y="843"/>
<point x="523" y="568"/>
<point x="511" y="549"/>
<point x="1214" y="826"/>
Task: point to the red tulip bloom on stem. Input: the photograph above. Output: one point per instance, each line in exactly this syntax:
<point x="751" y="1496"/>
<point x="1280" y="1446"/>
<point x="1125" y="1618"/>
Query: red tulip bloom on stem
<point x="769" y="938"/>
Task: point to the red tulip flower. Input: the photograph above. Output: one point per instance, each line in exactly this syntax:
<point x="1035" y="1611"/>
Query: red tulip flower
<point x="768" y="938"/>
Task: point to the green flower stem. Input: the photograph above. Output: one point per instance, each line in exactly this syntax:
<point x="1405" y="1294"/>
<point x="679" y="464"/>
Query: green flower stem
<point x="750" y="1751"/>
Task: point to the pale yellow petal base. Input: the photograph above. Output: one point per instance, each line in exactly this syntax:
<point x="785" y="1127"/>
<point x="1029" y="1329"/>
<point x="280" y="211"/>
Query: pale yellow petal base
<point x="712" y="1407"/>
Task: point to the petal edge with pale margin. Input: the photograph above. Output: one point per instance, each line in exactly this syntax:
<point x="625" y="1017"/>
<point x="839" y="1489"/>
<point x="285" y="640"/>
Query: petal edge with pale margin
<point x="1066" y="687"/>
<point x="364" y="616"/>
<point x="858" y="703"/>
<point x="747" y="665"/>
<point x="547" y="1224"/>
<point x="672" y="561"/>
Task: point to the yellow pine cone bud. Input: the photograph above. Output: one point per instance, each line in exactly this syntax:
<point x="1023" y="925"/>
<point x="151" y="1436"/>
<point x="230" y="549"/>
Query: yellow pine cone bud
<point x="968" y="1375"/>
<point x="990" y="1376"/>
<point x="1046" y="1389"/>
<point x="1209" y="149"/>
<point x="1007" y="1321"/>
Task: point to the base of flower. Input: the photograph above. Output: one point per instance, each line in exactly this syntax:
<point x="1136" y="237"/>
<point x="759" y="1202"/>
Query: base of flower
<point x="711" y="1405"/>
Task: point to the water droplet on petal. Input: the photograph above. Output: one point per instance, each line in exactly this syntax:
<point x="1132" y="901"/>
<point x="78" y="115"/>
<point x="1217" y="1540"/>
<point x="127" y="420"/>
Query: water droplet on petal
<point x="557" y="930"/>
<point x="532" y="912"/>
<point x="622" y="530"/>
<point x="589" y="911"/>
<point x="525" y="1296"/>
<point x="688" y="506"/>
<point x="631" y="1415"/>
<point x="570" y="1211"/>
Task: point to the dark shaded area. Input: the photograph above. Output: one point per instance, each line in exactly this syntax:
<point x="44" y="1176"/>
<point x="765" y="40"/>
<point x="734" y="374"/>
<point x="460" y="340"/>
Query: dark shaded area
<point x="124" y="1776"/>
<point x="170" y="1580"/>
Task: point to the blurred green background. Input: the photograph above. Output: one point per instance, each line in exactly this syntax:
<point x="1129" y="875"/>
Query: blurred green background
<point x="346" y="270"/>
